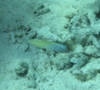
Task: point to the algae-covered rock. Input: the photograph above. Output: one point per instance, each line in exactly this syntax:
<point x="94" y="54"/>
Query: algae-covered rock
<point x="85" y="76"/>
<point x="42" y="9"/>
<point x="22" y="69"/>
<point x="79" y="61"/>
<point x="62" y="62"/>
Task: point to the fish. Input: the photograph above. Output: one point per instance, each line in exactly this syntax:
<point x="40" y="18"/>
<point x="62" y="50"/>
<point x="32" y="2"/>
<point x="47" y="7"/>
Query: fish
<point x="48" y="45"/>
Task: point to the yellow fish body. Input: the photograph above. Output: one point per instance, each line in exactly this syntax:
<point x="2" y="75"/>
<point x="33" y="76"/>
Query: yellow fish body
<point x="48" y="45"/>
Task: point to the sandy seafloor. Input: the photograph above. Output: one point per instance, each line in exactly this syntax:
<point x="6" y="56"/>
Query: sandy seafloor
<point x="74" y="23"/>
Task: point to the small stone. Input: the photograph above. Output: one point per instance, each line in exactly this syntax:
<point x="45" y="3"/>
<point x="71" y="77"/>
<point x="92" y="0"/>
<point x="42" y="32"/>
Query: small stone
<point x="85" y="76"/>
<point x="32" y="34"/>
<point x="24" y="47"/>
<point x="12" y="36"/>
<point x="19" y="33"/>
<point x="22" y="69"/>
<point x="19" y="40"/>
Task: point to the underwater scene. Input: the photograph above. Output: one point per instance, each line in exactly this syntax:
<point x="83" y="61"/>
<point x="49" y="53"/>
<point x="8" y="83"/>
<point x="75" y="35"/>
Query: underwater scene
<point x="49" y="44"/>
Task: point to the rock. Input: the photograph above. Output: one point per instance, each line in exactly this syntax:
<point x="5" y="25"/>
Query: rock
<point x="24" y="47"/>
<point x="85" y="76"/>
<point x="12" y="36"/>
<point x="32" y="34"/>
<point x="42" y="9"/>
<point x="21" y="69"/>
